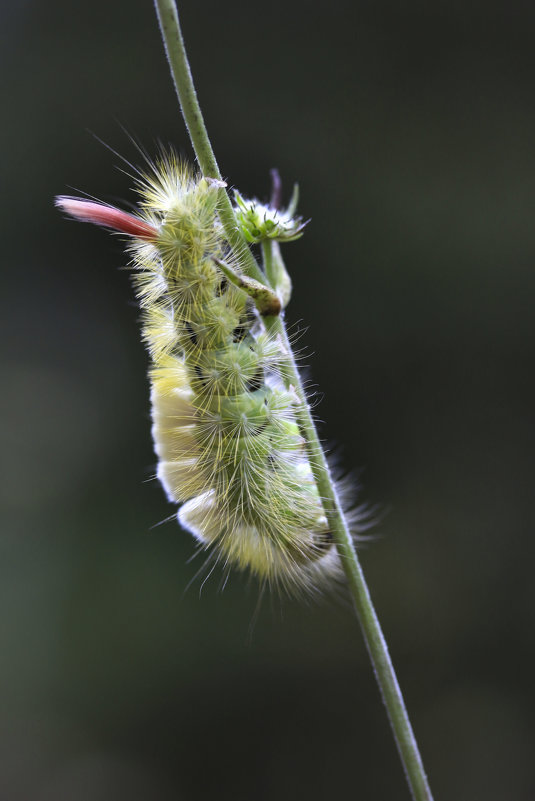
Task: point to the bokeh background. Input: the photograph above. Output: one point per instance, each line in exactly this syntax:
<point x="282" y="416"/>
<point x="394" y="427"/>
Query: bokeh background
<point x="411" y="130"/>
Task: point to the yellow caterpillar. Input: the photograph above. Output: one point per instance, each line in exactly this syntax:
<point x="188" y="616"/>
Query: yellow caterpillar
<point x="224" y="425"/>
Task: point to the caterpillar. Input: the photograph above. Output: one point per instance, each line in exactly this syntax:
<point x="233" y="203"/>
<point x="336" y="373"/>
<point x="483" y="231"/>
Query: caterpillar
<point x="223" y="423"/>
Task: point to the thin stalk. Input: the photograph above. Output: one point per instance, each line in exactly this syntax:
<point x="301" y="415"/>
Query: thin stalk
<point x="191" y="111"/>
<point x="267" y="262"/>
<point x="371" y="628"/>
<point x="375" y="641"/>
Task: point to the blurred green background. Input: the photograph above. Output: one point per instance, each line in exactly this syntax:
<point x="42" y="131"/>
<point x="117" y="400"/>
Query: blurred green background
<point x="411" y="130"/>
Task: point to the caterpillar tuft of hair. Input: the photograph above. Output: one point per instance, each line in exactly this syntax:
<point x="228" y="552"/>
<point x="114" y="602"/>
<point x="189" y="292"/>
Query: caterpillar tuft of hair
<point x="224" y="424"/>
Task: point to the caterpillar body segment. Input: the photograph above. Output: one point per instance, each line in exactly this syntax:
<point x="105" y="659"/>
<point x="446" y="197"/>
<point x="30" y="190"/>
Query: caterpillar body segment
<point x="224" y="425"/>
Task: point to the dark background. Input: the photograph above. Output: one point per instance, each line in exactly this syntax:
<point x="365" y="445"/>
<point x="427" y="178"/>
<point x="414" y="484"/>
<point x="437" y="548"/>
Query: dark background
<point x="411" y="129"/>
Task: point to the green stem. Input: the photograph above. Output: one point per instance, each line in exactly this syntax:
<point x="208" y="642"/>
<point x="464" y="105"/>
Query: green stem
<point x="267" y="263"/>
<point x="275" y="271"/>
<point x="371" y="628"/>
<point x="375" y="641"/>
<point x="191" y="111"/>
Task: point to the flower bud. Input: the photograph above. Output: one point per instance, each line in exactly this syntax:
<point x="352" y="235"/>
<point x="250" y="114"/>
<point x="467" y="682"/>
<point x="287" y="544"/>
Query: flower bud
<point x="259" y="222"/>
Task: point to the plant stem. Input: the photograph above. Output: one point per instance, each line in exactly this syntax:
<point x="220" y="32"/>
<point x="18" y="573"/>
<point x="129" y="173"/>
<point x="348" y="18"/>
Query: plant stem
<point x="267" y="262"/>
<point x="375" y="641"/>
<point x="371" y="628"/>
<point x="191" y="111"/>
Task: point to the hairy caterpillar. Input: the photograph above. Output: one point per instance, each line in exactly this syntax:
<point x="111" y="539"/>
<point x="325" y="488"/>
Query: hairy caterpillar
<point x="224" y="425"/>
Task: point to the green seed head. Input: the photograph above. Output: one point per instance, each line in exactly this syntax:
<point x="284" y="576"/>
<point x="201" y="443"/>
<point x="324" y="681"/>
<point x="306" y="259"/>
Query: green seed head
<point x="259" y="222"/>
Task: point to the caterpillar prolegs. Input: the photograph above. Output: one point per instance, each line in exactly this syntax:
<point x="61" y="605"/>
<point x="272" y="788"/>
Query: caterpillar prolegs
<point x="224" y="425"/>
